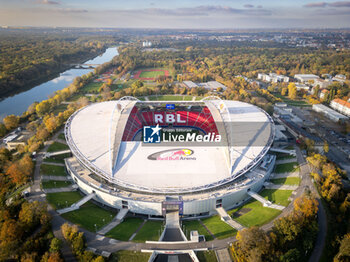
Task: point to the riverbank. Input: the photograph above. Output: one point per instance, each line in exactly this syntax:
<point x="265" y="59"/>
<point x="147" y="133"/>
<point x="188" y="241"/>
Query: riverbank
<point x="52" y="75"/>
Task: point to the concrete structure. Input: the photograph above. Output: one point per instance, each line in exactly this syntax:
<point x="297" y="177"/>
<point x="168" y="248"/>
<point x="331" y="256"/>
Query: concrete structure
<point x="330" y="113"/>
<point x="339" y="78"/>
<point x="341" y="106"/>
<point x="213" y="85"/>
<point x="302" y="87"/>
<point x="16" y="138"/>
<point x="304" y="78"/>
<point x="146" y="44"/>
<point x="322" y="83"/>
<point x="272" y="77"/>
<point x="110" y="160"/>
<point x="190" y="84"/>
<point x="323" y="93"/>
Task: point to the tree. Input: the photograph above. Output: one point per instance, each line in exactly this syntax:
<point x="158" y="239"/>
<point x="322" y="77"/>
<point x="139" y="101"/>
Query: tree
<point x="55" y="245"/>
<point x="284" y="91"/>
<point x="292" y="91"/>
<point x="43" y="107"/>
<point x="344" y="249"/>
<point x="11" y="122"/>
<point x="3" y="130"/>
<point x="252" y="244"/>
<point x="307" y="205"/>
<point x="326" y="147"/>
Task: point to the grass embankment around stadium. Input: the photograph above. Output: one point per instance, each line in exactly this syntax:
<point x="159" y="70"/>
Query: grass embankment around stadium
<point x="57" y="159"/>
<point x="287" y="167"/>
<point x="55" y="184"/>
<point x="206" y="256"/>
<point x="173" y="98"/>
<point x="89" y="215"/>
<point x="52" y="170"/>
<point x="257" y="214"/>
<point x="63" y="199"/>
<point x="195" y="225"/>
<point x="286" y="181"/>
<point x="129" y="256"/>
<point x="125" y="229"/>
<point x="218" y="228"/>
<point x="151" y="231"/>
<point x="57" y="146"/>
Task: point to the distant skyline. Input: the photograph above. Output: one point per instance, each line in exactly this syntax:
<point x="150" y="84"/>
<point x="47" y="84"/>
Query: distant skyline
<point x="196" y="14"/>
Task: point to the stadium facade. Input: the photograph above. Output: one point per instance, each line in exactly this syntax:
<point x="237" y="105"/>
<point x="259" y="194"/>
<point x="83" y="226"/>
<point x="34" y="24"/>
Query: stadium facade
<point x="194" y="177"/>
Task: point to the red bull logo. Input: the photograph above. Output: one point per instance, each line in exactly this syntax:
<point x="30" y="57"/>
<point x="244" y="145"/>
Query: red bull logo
<point x="173" y="154"/>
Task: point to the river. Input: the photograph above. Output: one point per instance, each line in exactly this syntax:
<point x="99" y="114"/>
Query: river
<point x="19" y="103"/>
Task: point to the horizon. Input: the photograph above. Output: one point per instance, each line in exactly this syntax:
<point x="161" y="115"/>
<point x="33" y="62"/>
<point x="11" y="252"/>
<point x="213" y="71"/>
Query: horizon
<point x="194" y="14"/>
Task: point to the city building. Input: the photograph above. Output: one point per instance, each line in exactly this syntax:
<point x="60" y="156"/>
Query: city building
<point x="146" y="44"/>
<point x="302" y="87"/>
<point x="329" y="113"/>
<point x="272" y="77"/>
<point x="339" y="78"/>
<point x="306" y="77"/>
<point x="341" y="106"/>
<point x="190" y="84"/>
<point x="323" y="93"/>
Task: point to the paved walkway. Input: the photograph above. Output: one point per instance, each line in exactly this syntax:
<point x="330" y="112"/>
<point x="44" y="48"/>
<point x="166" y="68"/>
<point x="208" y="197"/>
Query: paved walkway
<point x="115" y="222"/>
<point x="50" y="154"/>
<point x="61" y="189"/>
<point x="284" y="175"/>
<point x="56" y="178"/>
<point x="286" y="161"/>
<point x="280" y="187"/>
<point x="53" y="163"/>
<point x="222" y="255"/>
<point x="265" y="202"/>
<point x="228" y="219"/>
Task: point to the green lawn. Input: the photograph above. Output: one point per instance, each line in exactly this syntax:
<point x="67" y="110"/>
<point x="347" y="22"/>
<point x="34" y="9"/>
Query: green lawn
<point x="57" y="146"/>
<point x="52" y="170"/>
<point x="279" y="197"/>
<point x="57" y="159"/>
<point x="125" y="229"/>
<point x="166" y="98"/>
<point x="257" y="216"/>
<point x="61" y="136"/>
<point x="192" y="225"/>
<point x="151" y="74"/>
<point x="287" y="167"/>
<point x="219" y="228"/>
<point x="55" y="184"/>
<point x="129" y="256"/>
<point x="187" y="98"/>
<point x="91" y="87"/>
<point x="286" y="181"/>
<point x="89" y="215"/>
<point x="59" y="108"/>
<point x="58" y="200"/>
<point x="151" y="230"/>
<point x="290" y="102"/>
<point x="206" y="256"/>
<point x="282" y="156"/>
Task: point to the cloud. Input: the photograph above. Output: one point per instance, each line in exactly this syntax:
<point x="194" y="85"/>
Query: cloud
<point x="249" y="6"/>
<point x="70" y="10"/>
<point x="325" y="4"/>
<point x="48" y="2"/>
<point x="204" y="10"/>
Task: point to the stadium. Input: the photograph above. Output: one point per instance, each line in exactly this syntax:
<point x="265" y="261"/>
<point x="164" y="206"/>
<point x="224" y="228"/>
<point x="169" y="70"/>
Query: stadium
<point x="211" y="154"/>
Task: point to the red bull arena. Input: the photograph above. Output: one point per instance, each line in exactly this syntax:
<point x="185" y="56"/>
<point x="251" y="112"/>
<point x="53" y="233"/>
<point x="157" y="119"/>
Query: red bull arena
<point x="153" y="156"/>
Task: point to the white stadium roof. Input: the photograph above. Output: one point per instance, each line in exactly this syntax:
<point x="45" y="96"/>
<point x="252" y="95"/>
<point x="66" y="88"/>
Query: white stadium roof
<point x="94" y="135"/>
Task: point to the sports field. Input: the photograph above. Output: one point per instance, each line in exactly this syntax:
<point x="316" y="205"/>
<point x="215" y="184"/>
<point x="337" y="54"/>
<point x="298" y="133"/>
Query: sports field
<point x="150" y="74"/>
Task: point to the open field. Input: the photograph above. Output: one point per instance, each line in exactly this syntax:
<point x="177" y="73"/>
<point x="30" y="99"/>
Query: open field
<point x="61" y="136"/>
<point x="257" y="216"/>
<point x="63" y="199"/>
<point x="91" y="87"/>
<point x="89" y="215"/>
<point x="55" y="184"/>
<point x="279" y="197"/>
<point x="219" y="228"/>
<point x="206" y="256"/>
<point x="125" y="229"/>
<point x="57" y="159"/>
<point x="128" y="256"/>
<point x="150" y="74"/>
<point x="57" y="146"/>
<point x="300" y="103"/>
<point x="195" y="225"/>
<point x="52" y="170"/>
<point x="287" y="167"/>
<point x="151" y="230"/>
<point x="286" y="181"/>
<point x="59" y="108"/>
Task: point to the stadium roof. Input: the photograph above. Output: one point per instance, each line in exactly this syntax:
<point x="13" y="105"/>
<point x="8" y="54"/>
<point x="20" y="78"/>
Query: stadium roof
<point x="94" y="135"/>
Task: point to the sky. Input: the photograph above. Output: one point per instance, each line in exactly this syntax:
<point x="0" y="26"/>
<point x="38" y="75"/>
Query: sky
<point x="190" y="14"/>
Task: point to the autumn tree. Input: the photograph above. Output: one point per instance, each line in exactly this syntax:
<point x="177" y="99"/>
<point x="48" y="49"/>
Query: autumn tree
<point x="292" y="91"/>
<point x="11" y="122"/>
